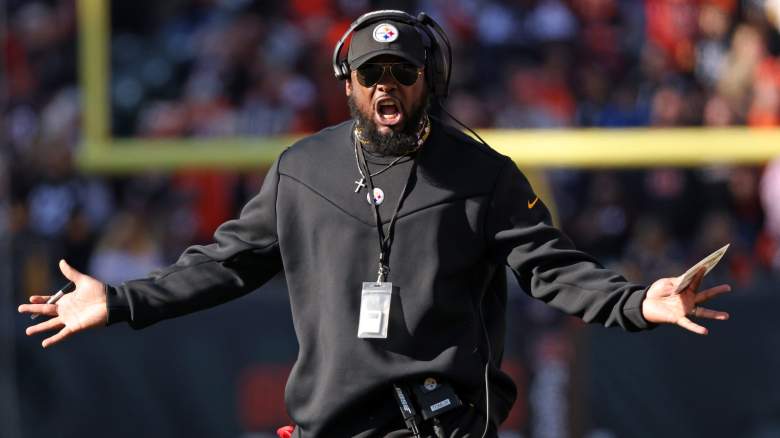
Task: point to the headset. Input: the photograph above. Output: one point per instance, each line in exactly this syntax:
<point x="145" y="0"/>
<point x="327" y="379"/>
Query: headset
<point x="438" y="51"/>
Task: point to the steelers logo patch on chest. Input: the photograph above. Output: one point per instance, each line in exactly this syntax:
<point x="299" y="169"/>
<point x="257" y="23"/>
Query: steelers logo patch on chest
<point x="385" y="33"/>
<point x="379" y="196"/>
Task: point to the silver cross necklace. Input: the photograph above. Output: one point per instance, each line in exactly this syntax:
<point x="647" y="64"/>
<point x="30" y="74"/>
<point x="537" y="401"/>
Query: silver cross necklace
<point x="422" y="136"/>
<point x="360" y="184"/>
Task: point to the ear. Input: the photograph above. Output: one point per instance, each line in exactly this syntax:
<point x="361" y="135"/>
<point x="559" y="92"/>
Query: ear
<point x="348" y="87"/>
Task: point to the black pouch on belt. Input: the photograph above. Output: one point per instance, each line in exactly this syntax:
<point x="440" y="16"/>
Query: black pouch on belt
<point x="434" y="397"/>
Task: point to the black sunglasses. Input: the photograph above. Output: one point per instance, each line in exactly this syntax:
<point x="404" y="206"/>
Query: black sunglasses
<point x="404" y="73"/>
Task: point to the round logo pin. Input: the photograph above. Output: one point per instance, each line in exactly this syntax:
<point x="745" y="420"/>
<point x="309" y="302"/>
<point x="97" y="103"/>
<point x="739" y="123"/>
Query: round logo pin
<point x="379" y="196"/>
<point x="430" y="384"/>
<point x="385" y="33"/>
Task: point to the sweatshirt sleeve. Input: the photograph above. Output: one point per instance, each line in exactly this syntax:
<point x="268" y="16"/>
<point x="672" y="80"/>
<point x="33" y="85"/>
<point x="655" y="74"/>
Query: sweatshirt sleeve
<point x="244" y="255"/>
<point x="546" y="264"/>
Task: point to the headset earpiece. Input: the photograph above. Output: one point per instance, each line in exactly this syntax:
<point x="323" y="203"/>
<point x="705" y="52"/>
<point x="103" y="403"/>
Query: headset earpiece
<point x="343" y="72"/>
<point x="440" y="61"/>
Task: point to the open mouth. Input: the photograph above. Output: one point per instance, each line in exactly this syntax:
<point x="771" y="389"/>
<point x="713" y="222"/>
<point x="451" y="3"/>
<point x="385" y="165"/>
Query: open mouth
<point x="388" y="111"/>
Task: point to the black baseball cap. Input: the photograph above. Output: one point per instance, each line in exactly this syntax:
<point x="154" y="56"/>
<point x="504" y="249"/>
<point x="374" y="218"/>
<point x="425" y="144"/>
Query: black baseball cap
<point x="386" y="37"/>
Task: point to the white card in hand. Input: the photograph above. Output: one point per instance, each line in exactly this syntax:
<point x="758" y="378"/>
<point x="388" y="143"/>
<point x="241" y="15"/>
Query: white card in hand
<point x="707" y="263"/>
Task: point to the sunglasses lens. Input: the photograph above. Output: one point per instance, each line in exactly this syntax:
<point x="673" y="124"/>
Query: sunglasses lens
<point x="369" y="74"/>
<point x="405" y="74"/>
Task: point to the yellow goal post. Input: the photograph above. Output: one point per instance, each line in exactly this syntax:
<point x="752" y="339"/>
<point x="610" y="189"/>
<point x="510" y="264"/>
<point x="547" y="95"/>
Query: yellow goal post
<point x="639" y="147"/>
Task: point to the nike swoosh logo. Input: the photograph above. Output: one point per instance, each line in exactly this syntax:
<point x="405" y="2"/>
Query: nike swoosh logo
<point x="532" y="203"/>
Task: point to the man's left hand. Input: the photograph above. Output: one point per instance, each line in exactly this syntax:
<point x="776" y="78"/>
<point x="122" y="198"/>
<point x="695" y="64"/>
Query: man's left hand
<point x="664" y="306"/>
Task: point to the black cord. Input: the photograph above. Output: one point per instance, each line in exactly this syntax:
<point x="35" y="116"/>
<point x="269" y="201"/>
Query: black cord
<point x="441" y="105"/>
<point x="437" y="429"/>
<point x="487" y="371"/>
<point x="481" y="315"/>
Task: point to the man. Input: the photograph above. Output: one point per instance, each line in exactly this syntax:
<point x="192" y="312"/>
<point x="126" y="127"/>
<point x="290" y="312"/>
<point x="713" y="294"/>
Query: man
<point x="398" y="297"/>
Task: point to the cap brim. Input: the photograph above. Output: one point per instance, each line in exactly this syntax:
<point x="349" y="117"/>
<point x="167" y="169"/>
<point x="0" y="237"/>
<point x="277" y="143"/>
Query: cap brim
<point x="360" y="60"/>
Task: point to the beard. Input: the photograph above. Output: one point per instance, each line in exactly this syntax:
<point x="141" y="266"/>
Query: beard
<point x="399" y="141"/>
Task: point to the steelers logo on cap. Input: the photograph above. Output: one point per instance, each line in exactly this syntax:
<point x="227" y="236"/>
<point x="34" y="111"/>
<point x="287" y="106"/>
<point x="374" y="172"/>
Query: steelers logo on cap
<point x="385" y="33"/>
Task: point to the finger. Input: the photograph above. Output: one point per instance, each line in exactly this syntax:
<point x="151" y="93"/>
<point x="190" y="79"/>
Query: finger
<point x="69" y="272"/>
<point x="62" y="334"/>
<point x="702" y="312"/>
<point x="712" y="292"/>
<point x="691" y="326"/>
<point x="54" y="323"/>
<point x="675" y="281"/>
<point x="39" y="299"/>
<point x="39" y="309"/>
<point x="696" y="280"/>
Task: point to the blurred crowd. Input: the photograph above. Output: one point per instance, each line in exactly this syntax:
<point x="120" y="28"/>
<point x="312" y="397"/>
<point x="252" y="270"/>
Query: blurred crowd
<point x="214" y="68"/>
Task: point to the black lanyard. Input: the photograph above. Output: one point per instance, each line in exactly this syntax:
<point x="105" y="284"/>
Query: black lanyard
<point x="385" y="241"/>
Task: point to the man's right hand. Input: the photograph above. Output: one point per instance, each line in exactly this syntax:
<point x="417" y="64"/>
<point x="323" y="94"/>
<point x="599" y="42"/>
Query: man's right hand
<point x="82" y="309"/>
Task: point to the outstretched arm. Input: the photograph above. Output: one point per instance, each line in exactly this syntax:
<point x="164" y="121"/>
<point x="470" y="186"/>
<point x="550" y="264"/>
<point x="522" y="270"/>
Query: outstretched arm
<point x="550" y="268"/>
<point x="80" y="310"/>
<point x="244" y="255"/>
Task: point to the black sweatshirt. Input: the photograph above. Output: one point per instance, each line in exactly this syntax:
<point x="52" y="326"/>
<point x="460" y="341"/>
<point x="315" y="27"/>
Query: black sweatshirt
<point x="469" y="213"/>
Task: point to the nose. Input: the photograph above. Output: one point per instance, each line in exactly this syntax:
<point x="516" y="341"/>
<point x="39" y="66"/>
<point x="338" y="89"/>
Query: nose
<point x="387" y="81"/>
